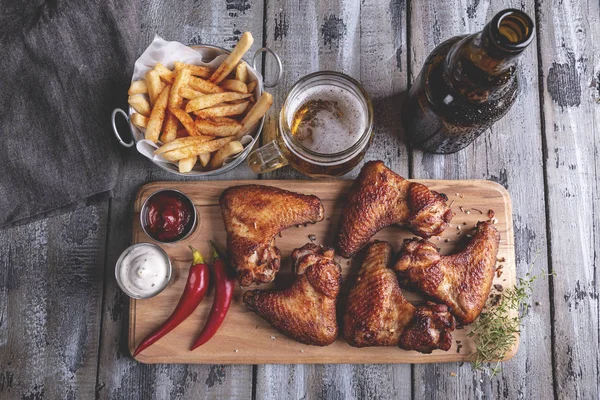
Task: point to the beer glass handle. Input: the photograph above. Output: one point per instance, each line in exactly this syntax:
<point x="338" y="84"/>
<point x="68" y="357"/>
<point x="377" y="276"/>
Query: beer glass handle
<point x="267" y="158"/>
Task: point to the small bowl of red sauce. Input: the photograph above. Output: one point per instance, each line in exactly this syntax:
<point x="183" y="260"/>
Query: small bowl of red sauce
<point x="168" y="216"/>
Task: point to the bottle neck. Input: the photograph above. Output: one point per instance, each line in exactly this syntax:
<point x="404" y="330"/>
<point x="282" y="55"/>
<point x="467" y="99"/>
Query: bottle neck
<point x="483" y="64"/>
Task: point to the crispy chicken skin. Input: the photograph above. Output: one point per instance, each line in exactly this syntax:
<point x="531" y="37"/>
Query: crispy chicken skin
<point x="429" y="329"/>
<point x="378" y="198"/>
<point x="462" y="281"/>
<point x="306" y="311"/>
<point x="253" y="215"/>
<point x="377" y="314"/>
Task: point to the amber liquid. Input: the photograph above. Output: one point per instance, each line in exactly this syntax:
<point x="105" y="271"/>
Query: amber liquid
<point x="325" y="171"/>
<point x="304" y="122"/>
<point x="325" y="128"/>
<point x="466" y="85"/>
<point x="439" y="119"/>
<point x="275" y="160"/>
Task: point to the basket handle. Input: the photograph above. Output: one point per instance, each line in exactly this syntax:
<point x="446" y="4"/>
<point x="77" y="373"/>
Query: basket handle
<point x="279" y="65"/>
<point x="114" y="126"/>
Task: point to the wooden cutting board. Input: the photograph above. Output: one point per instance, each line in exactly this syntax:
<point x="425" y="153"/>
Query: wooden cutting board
<point x="244" y="337"/>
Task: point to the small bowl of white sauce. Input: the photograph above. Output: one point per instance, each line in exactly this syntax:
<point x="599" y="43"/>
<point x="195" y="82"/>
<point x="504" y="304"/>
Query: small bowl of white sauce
<point x="143" y="270"/>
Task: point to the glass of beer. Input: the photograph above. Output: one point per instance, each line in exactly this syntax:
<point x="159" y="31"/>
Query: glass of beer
<point x="325" y="128"/>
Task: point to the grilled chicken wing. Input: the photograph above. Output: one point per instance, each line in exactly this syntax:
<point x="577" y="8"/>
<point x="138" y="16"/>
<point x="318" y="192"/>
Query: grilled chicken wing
<point x="379" y="197"/>
<point x="377" y="313"/>
<point x="253" y="215"/>
<point x="306" y="311"/>
<point x="462" y="281"/>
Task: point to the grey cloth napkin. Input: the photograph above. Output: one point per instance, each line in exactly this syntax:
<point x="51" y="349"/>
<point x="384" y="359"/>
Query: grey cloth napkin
<point x="63" y="67"/>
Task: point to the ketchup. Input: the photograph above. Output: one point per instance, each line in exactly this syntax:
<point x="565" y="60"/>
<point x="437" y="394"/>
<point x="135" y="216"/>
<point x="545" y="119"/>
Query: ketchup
<point x="169" y="215"/>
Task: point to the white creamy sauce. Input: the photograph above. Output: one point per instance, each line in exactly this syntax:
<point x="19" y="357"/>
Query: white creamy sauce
<point x="144" y="271"/>
<point x="332" y="131"/>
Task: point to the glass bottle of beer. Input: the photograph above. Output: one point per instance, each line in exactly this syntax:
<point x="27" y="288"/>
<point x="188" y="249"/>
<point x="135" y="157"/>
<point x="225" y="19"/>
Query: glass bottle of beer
<point x="467" y="84"/>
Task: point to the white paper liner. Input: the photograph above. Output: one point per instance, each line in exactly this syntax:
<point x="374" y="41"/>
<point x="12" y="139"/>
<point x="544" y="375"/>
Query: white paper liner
<point x="166" y="53"/>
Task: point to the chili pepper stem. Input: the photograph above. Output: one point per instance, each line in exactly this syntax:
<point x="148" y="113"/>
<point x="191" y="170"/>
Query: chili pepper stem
<point x="216" y="254"/>
<point x="197" y="257"/>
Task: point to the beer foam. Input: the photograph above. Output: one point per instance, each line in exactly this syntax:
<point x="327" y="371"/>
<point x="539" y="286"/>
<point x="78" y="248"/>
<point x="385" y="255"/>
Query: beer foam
<point x="331" y="130"/>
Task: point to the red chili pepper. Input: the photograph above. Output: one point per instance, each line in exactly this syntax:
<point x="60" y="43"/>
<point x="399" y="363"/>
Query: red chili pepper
<point x="224" y="287"/>
<point x="195" y="289"/>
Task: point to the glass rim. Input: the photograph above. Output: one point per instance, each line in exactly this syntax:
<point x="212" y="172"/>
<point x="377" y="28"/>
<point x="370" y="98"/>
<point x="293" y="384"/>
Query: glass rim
<point x="496" y="22"/>
<point x="366" y="134"/>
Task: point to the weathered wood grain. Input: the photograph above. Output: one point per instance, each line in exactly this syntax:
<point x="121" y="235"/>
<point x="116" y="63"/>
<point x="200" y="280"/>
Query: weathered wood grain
<point x="309" y="37"/>
<point x="335" y="382"/>
<point x="569" y="34"/>
<point x="120" y="376"/>
<point x="48" y="328"/>
<point x="511" y="154"/>
<point x="51" y="274"/>
<point x="366" y="40"/>
<point x="383" y="74"/>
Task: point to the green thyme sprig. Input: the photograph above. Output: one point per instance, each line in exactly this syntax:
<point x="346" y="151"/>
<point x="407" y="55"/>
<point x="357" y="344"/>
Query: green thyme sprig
<point x="495" y="331"/>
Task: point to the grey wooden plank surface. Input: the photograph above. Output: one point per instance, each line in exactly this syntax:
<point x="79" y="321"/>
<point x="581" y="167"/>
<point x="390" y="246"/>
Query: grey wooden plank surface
<point x="119" y="376"/>
<point x="569" y="35"/>
<point x="51" y="274"/>
<point x="309" y="37"/>
<point x="510" y="154"/>
<point x="63" y="319"/>
<point x="367" y="41"/>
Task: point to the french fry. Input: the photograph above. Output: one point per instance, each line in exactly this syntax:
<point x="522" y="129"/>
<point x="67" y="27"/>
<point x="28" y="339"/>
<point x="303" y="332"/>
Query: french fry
<point x="241" y="72"/>
<point x="189" y="93"/>
<point x="224" y="120"/>
<point x="195" y="149"/>
<point x="186" y="120"/>
<point x="157" y="117"/>
<point x="204" y="159"/>
<point x="256" y="113"/>
<point x="182" y="142"/>
<point x="182" y="78"/>
<point x="225" y="110"/>
<point x="187" y="164"/>
<point x="233" y="59"/>
<point x="165" y="73"/>
<point x="209" y="100"/>
<point x="137" y="87"/>
<point x="235" y="102"/>
<point x="234" y="85"/>
<point x="139" y="120"/>
<point x="230" y="149"/>
<point x="251" y="86"/>
<point x="204" y="86"/>
<point x="169" y="131"/>
<point x="196" y="70"/>
<point x="140" y="104"/>
<point x="227" y="127"/>
<point x="154" y="85"/>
